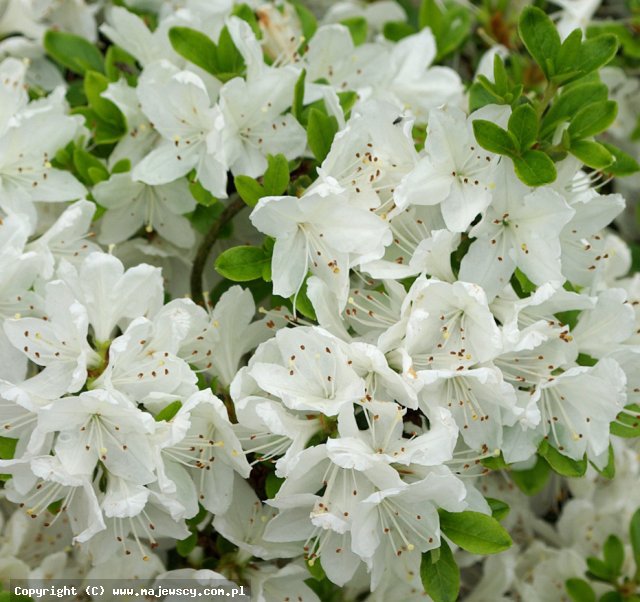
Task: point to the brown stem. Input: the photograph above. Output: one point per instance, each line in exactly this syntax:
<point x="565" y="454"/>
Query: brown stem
<point x="234" y="207"/>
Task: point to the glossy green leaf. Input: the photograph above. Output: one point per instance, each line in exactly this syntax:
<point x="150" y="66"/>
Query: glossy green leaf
<point x="560" y="463"/>
<point x="196" y="47"/>
<point x="592" y="119"/>
<point x="535" y="168"/>
<point x="276" y="177"/>
<point x="249" y="190"/>
<point x="169" y="411"/>
<point x="493" y="138"/>
<point x="541" y="38"/>
<point x="533" y="480"/>
<point x="475" y="532"/>
<point x="613" y="554"/>
<point x="440" y="574"/>
<point x="580" y="591"/>
<point x="321" y="129"/>
<point x="523" y="124"/>
<point x="242" y="263"/>
<point x="499" y="509"/>
<point x="73" y="52"/>
<point x="591" y="153"/>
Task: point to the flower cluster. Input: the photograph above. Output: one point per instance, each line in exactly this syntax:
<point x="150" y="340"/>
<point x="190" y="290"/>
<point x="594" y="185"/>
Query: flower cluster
<point x="436" y="315"/>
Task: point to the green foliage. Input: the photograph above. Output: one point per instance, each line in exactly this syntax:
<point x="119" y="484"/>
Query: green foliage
<point x="73" y="52"/>
<point x="474" y="532"/>
<point x="533" y="480"/>
<point x="450" y="24"/>
<point x="274" y="182"/>
<point x="104" y="118"/>
<point x="563" y="465"/>
<point x="222" y="59"/>
<point x="499" y="509"/>
<point x="580" y="591"/>
<point x="440" y="574"/>
<point x="627" y="423"/>
<point x="358" y="28"/>
<point x="321" y="129"/>
<point x="242" y="263"/>
<point x="168" y="412"/>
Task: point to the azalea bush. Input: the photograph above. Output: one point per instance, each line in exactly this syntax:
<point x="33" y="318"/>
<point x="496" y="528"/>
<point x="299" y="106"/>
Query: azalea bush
<point x="336" y="301"/>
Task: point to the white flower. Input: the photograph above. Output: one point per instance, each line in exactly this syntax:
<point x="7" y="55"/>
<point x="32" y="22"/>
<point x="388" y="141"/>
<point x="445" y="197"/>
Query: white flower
<point x="308" y="370"/>
<point x="199" y="466"/>
<point x="455" y="172"/>
<point x="111" y="295"/>
<point x="132" y="204"/>
<point x="521" y="229"/>
<point x="178" y="104"/>
<point x="254" y="123"/>
<point x="59" y="343"/>
<point x="321" y="233"/>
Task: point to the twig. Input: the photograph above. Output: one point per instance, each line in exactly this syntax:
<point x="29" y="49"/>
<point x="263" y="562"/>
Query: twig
<point x="236" y="204"/>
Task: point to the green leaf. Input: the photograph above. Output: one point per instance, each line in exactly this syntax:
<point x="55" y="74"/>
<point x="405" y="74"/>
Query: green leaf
<point x="613" y="554"/>
<point x="623" y="165"/>
<point x="535" y="168"/>
<point x="119" y="63"/>
<point x="593" y="119"/>
<point x="196" y="47"/>
<point x="634" y="537"/>
<point x="276" y="177"/>
<point x="455" y="30"/>
<point x="613" y="597"/>
<point x="560" y="463"/>
<point x="298" y="97"/>
<point x="609" y="471"/>
<point x="596" y="53"/>
<point x="94" y="85"/>
<point x="168" y="412"/>
<point x="73" y="52"/>
<point x="184" y="547"/>
<point x="569" y="52"/>
<point x="245" y="12"/>
<point x="241" y="264"/>
<point x="7" y="448"/>
<point x="540" y="37"/>
<point x="523" y="124"/>
<point x="627" y="424"/>
<point x="249" y="190"/>
<point x="121" y="166"/>
<point x="494" y="138"/>
<point x="475" y="532"/>
<point x="321" y="129"/>
<point x="396" y="30"/>
<point x="591" y="153"/>
<point x="440" y="574"/>
<point x="430" y="16"/>
<point x="303" y="303"/>
<point x="570" y="102"/>
<point x="308" y="22"/>
<point x="272" y="485"/>
<point x="358" y="28"/>
<point x="201" y="194"/>
<point x="316" y="570"/>
<point x="230" y="61"/>
<point x="499" y="509"/>
<point x="82" y="161"/>
<point x="599" y="571"/>
<point x="479" y="97"/>
<point x="580" y="591"/>
<point x="500" y="77"/>
<point x="533" y="480"/>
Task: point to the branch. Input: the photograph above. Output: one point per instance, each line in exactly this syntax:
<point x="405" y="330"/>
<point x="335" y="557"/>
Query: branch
<point x="236" y="204"/>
